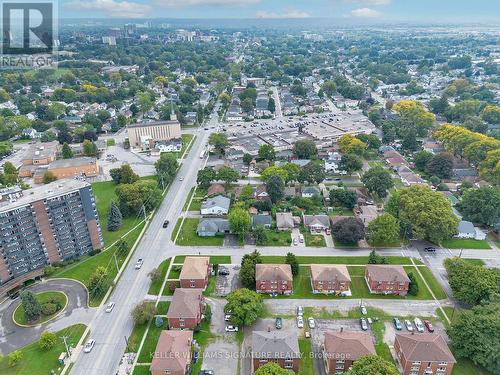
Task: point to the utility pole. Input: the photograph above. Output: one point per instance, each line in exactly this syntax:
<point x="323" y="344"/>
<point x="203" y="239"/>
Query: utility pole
<point x="116" y="263"/>
<point x="144" y="212"/>
<point x="126" y="341"/>
<point x="460" y="256"/>
<point x="64" y="338"/>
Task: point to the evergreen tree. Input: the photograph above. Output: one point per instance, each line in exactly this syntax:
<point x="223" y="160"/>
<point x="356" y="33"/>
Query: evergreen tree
<point x="291" y="259"/>
<point x="114" y="218"/>
<point x="413" y="289"/>
<point x="67" y="152"/>
<point x="31" y="306"/>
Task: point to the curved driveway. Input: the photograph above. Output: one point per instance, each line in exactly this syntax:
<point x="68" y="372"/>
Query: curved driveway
<point x="77" y="311"/>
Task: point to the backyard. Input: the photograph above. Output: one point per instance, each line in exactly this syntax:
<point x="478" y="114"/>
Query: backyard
<point x="188" y="236"/>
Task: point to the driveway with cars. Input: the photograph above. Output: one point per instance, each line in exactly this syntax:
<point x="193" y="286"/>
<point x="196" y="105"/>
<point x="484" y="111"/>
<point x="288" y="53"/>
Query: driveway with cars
<point x="225" y="284"/>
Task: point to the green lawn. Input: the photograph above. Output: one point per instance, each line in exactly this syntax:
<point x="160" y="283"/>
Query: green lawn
<point x="340" y="211"/>
<point x="334" y="259"/>
<point x="212" y="280"/>
<point x="167" y="291"/>
<point x="163" y="307"/>
<point x="175" y="272"/>
<point x="155" y="287"/>
<point x="306" y="363"/>
<point x="433" y="283"/>
<point x="184" y="208"/>
<point x="465" y="366"/>
<point x="314" y="240"/>
<point x="42" y="298"/>
<point x="141" y="370"/>
<point x="149" y="346"/>
<point x="37" y="361"/>
<point x="136" y="336"/>
<point x="278" y="238"/>
<point x="214" y="259"/>
<point x="476" y="262"/>
<point x="459" y="243"/>
<point x="189" y="237"/>
<point x="110" y="142"/>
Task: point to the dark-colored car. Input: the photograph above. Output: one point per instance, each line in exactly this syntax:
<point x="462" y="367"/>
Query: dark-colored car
<point x="195" y="356"/>
<point x="397" y="324"/>
<point x="429" y="326"/>
<point x="224" y="271"/>
<point x="278" y="323"/>
<point x="206" y="372"/>
<point x="165" y="223"/>
<point x="430" y="249"/>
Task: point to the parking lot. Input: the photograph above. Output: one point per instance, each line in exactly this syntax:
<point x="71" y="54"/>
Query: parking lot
<point x="227" y="283"/>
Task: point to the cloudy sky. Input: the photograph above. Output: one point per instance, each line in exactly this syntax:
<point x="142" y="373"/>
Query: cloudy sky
<point x="377" y="10"/>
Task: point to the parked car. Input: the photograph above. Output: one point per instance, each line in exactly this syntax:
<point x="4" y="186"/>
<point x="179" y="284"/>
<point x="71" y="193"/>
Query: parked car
<point x="429" y="326"/>
<point x="419" y="325"/>
<point x="224" y="271"/>
<point x="139" y="263"/>
<point x="430" y="249"/>
<point x="206" y="372"/>
<point x="89" y="346"/>
<point x="300" y="321"/>
<point x="278" y="323"/>
<point x="364" y="324"/>
<point x="311" y="323"/>
<point x="408" y="325"/>
<point x="301" y="238"/>
<point x="397" y="324"/>
<point x="363" y="309"/>
<point x="300" y="311"/>
<point x="227" y="317"/>
<point x="307" y="334"/>
<point x="110" y="307"/>
<point x="231" y="328"/>
<point x="165" y="223"/>
<point x="295" y="241"/>
<point x="328" y="231"/>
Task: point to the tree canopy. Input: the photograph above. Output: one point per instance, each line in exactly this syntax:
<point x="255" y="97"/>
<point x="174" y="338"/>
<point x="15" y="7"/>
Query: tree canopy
<point x="245" y="306"/>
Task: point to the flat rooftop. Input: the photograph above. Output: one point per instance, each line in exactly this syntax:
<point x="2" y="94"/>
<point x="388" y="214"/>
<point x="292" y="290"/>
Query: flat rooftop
<point x="76" y="162"/>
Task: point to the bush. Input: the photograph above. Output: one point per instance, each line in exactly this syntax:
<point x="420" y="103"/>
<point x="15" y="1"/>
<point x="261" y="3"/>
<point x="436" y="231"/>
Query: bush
<point x="47" y="340"/>
<point x="49" y="270"/>
<point x="49" y="308"/>
<point x="143" y="313"/>
<point x="413" y="289"/>
<point x="15" y="357"/>
<point x="94" y="252"/>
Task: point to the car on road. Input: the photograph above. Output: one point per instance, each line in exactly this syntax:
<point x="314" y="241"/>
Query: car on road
<point x="278" y="323"/>
<point x="363" y="309"/>
<point x="364" y="324"/>
<point x="300" y="321"/>
<point x="89" y="346"/>
<point x="397" y="324"/>
<point x="139" y="263"/>
<point x="311" y="323"/>
<point x="231" y="328"/>
<point x="165" y="223"/>
<point x="300" y="311"/>
<point x="419" y="325"/>
<point x="206" y="372"/>
<point x="110" y="307"/>
<point x="408" y="325"/>
<point x="429" y="326"/>
<point x="430" y="249"/>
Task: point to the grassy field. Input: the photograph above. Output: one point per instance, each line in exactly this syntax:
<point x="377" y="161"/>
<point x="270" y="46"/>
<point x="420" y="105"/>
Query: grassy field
<point x="175" y="272"/>
<point x="467" y="367"/>
<point x="463" y="243"/>
<point x="476" y="262"/>
<point x="433" y="283"/>
<point x="189" y="237"/>
<point x="110" y="142"/>
<point x="339" y="211"/>
<point x="306" y="363"/>
<point x="42" y="297"/>
<point x="214" y="259"/>
<point x="155" y="287"/>
<point x="335" y="260"/>
<point x="163" y="307"/>
<point x="149" y="346"/>
<point x="141" y="370"/>
<point x="37" y="361"/>
<point x="314" y="240"/>
<point x="278" y="238"/>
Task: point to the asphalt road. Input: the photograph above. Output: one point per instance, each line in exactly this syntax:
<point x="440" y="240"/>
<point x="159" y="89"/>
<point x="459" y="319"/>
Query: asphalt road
<point x="110" y="330"/>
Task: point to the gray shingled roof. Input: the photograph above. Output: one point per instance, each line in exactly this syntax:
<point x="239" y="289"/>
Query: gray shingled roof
<point x="276" y="344"/>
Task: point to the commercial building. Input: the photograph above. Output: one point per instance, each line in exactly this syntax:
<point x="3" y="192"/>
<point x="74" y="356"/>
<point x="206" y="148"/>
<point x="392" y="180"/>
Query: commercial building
<point x="45" y="225"/>
<point x="141" y="134"/>
<point x="69" y="168"/>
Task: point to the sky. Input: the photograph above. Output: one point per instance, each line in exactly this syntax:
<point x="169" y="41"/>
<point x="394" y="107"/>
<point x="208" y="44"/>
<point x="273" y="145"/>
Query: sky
<point x="424" y="11"/>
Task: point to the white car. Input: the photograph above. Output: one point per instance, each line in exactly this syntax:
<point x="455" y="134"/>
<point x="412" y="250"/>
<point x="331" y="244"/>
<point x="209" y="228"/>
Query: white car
<point x="419" y="325"/>
<point x="110" y="307"/>
<point x="311" y="323"/>
<point x="408" y="325"/>
<point x="300" y="322"/>
<point x="181" y="179"/>
<point x="89" y="345"/>
<point x="231" y="329"/>
<point x="363" y="310"/>
<point x="139" y="263"/>
<point x="227" y="317"/>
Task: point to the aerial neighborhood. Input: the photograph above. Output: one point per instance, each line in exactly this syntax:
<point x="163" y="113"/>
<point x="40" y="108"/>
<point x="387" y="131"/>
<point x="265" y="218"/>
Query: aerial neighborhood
<point x="261" y="196"/>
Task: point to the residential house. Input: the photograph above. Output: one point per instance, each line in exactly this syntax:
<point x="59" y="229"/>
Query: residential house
<point x="467" y="230"/>
<point x="173" y="353"/>
<point x="387" y="279"/>
<point x="273" y="278"/>
<point x="215" y="189"/>
<point x="264" y="220"/>
<point x="186" y="309"/>
<point x="195" y="272"/>
<point x="261" y="193"/>
<point x="281" y="347"/>
<point x="423" y="354"/>
<point x="341" y="349"/>
<point x="216" y="206"/>
<point x="310" y="191"/>
<point x="286" y="221"/>
<point x="211" y="227"/>
<point x="317" y="223"/>
<point x="290" y="191"/>
<point x="330" y="279"/>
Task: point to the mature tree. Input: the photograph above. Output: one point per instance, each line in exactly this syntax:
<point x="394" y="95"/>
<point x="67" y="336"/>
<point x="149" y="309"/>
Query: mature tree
<point x="219" y="142"/>
<point x="372" y="365"/>
<point x="114" y="218"/>
<point x="481" y="205"/>
<point x="245" y="305"/>
<point x="343" y="198"/>
<point x="247" y="159"/>
<point x="240" y="221"/>
<point x="491" y="114"/>
<point x="349" y="230"/>
<point x="67" y="152"/>
<point x="413" y="287"/>
<point x="348" y="144"/>
<point x="292" y="172"/>
<point x="421" y="159"/>
<point x="272" y="368"/>
<point x="305" y="149"/>
<point x="47" y="340"/>
<point x="350" y="163"/>
<point x="275" y="188"/>
<point x="429" y="213"/>
<point x="374" y="258"/>
<point x="225" y="98"/>
<point x="383" y="230"/>
<point x="166" y="168"/>
<point x="227" y="174"/>
<point x="246" y="192"/>
<point x="247" y="271"/>
<point x="15" y="357"/>
<point x="260" y="235"/>
<point x="122" y="247"/>
<point x="291" y="259"/>
<point x="441" y="165"/>
<point x="274" y="170"/>
<point x="329" y="87"/>
<point x="378" y="180"/>
<point x="123" y="175"/>
<point x="143" y="312"/>
<point x="247" y="105"/>
<point x="205" y="177"/>
<point x="137" y="198"/>
<point x="266" y="152"/>
<point x="145" y="101"/>
<point x="99" y="282"/>
<point x="49" y="177"/>
<point x="155" y="275"/>
<point x="472" y="284"/>
<point x="31" y="306"/>
<point x="372" y="141"/>
<point x="89" y="148"/>
<point x="313" y="172"/>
